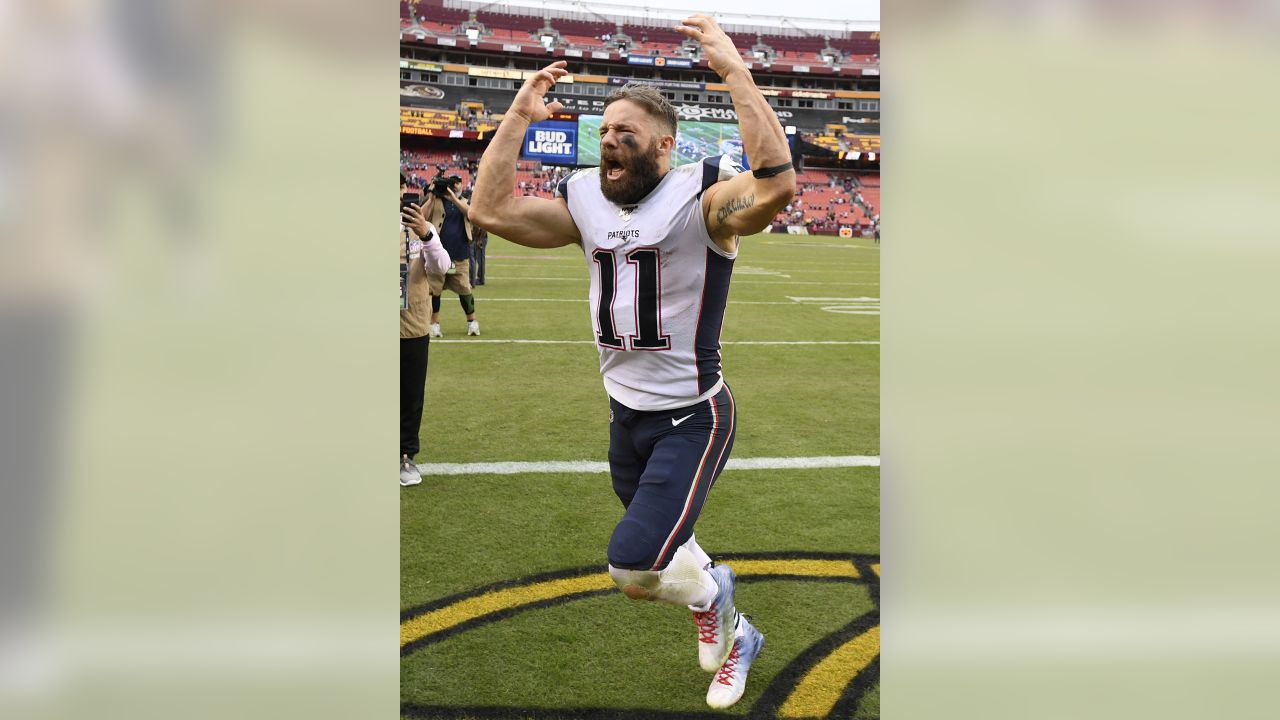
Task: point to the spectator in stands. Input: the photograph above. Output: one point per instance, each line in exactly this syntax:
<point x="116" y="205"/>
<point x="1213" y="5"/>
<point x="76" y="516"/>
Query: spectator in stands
<point x="449" y="213"/>
<point x="421" y="250"/>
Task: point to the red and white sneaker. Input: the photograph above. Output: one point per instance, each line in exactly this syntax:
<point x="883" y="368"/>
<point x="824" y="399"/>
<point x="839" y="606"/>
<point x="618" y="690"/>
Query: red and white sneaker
<point x="715" y="624"/>
<point x="731" y="681"/>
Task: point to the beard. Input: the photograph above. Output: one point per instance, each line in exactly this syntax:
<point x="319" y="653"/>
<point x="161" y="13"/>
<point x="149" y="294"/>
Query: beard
<point x="639" y="176"/>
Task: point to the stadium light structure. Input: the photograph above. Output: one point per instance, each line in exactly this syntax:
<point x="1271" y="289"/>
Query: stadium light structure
<point x="762" y="52"/>
<point x="548" y="36"/>
<point x="830" y="55"/>
<point x="473" y="28"/>
<point x="620" y="39"/>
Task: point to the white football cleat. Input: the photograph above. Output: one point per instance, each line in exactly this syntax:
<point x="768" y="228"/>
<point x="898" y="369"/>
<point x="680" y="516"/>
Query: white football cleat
<point x="731" y="681"/>
<point x="473" y="328"/>
<point x="409" y="474"/>
<point x="435" y="330"/>
<point x="715" y="625"/>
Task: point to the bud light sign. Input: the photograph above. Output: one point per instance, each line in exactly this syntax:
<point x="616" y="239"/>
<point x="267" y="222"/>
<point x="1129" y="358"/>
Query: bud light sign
<point x="552" y="142"/>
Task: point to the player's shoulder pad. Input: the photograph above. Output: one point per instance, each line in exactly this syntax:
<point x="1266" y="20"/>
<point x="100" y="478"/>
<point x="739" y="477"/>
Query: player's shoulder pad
<point x="717" y="168"/>
<point x="562" y="187"/>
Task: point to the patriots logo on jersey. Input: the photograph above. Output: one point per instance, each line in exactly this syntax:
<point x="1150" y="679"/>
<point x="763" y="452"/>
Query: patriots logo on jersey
<point x="624" y="235"/>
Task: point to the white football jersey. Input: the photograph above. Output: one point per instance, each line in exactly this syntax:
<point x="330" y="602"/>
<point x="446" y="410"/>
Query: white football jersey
<point x="659" y="285"/>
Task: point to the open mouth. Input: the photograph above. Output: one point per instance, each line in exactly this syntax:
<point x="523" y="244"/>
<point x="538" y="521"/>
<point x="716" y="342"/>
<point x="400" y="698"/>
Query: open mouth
<point x="612" y="168"/>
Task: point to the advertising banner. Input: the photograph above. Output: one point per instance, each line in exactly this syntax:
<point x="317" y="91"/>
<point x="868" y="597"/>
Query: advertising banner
<point x="669" y="84"/>
<point x="553" y="142"/>
<point x="689" y="111"/>
<point x="656" y="61"/>
<point x="579" y="104"/>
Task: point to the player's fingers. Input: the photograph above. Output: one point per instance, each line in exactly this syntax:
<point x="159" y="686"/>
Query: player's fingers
<point x="555" y="106"/>
<point x="690" y="32"/>
<point x="700" y="21"/>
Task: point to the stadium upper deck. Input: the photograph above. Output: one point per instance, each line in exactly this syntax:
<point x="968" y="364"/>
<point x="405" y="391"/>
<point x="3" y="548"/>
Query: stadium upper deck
<point x="779" y="48"/>
<point x="459" y="68"/>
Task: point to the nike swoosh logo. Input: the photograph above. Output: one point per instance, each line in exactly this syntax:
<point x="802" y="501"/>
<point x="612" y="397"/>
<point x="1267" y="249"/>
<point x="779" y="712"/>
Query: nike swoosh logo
<point x="675" y="422"/>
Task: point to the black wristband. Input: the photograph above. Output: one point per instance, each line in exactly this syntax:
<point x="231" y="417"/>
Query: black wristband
<point x="769" y="172"/>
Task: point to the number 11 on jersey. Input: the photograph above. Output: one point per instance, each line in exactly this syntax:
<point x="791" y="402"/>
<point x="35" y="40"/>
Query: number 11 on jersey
<point x="648" y="301"/>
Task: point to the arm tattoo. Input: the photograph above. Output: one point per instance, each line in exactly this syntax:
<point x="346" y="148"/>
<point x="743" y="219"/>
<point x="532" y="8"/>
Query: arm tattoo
<point x="734" y="205"/>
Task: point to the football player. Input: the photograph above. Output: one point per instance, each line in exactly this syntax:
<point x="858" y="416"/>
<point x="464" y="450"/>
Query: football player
<point x="659" y="245"/>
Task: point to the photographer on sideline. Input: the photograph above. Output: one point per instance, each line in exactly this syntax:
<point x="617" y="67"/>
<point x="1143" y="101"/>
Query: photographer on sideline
<point x="420" y="253"/>
<point x="449" y="213"/>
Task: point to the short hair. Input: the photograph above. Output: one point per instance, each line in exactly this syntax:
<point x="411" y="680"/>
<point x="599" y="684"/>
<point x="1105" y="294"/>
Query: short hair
<point x="647" y="97"/>
<point x="404" y="179"/>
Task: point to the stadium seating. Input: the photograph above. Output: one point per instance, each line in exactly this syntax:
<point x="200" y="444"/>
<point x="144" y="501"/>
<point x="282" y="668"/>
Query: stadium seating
<point x="433" y="10"/>
<point x="436" y="19"/>
<point x="824" y="205"/>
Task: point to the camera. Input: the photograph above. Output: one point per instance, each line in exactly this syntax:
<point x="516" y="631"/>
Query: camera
<point x="440" y="184"/>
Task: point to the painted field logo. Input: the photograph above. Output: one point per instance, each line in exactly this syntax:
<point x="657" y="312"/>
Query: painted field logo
<point x="828" y="679"/>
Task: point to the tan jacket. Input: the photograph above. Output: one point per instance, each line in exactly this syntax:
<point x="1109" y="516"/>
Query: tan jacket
<point x="415" y="320"/>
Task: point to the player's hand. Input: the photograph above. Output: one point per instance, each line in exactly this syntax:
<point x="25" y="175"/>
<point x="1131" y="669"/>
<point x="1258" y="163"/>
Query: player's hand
<point x="412" y="217"/>
<point x="722" y="56"/>
<point x="529" y="102"/>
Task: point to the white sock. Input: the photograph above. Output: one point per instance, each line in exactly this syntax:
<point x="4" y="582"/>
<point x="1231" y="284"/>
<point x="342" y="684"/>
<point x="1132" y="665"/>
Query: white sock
<point x="704" y="560"/>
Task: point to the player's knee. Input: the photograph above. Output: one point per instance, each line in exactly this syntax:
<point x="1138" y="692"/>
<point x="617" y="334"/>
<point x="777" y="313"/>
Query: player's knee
<point x="635" y="584"/>
<point x="632" y="545"/>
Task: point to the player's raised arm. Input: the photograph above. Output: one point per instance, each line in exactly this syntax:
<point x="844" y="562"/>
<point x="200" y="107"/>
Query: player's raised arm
<point x="746" y="203"/>
<point x="529" y="221"/>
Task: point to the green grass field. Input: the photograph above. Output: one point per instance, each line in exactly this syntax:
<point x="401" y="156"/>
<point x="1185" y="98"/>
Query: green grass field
<point x="505" y="613"/>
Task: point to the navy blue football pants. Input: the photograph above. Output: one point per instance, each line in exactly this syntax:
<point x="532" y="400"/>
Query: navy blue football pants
<point x="663" y="464"/>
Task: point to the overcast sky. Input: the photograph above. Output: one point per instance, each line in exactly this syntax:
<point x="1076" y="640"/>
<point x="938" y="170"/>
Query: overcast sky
<point x="865" y="12"/>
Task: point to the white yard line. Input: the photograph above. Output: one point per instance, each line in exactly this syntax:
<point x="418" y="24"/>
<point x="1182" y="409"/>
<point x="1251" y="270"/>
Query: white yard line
<point x="523" y="341"/>
<point x="582" y="278"/>
<point x="593" y="466"/>
<point x="583" y="300"/>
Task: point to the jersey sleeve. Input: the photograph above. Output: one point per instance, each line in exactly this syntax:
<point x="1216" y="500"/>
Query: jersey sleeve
<point x="562" y="188"/>
<point x="717" y="169"/>
<point x="714" y="169"/>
